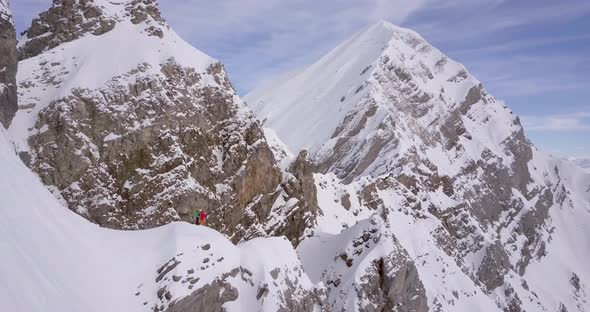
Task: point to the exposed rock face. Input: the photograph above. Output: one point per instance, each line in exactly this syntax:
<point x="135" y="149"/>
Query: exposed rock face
<point x="8" y="66"/>
<point x="394" y="285"/>
<point x="302" y="169"/>
<point x="494" y="266"/>
<point x="203" y="280"/>
<point x="156" y="142"/>
<point x="213" y="296"/>
<point x="209" y="298"/>
<point x="193" y="142"/>
<point x="301" y="186"/>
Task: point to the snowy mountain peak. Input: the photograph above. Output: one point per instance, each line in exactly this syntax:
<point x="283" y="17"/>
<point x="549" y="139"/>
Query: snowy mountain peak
<point x="68" y="20"/>
<point x="366" y="85"/>
<point x="411" y="133"/>
<point x="387" y="30"/>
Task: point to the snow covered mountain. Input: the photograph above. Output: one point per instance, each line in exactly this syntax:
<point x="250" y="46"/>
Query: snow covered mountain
<point x="134" y="128"/>
<point x="397" y="181"/>
<point x="8" y="65"/>
<point x="400" y="131"/>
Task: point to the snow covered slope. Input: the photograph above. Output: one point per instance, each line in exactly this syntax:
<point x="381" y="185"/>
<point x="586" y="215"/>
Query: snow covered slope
<point x="400" y="131"/>
<point x="54" y="260"/>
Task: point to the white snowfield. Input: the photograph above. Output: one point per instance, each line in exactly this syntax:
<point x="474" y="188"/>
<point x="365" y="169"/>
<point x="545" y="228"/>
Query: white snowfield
<point x="54" y="260"/>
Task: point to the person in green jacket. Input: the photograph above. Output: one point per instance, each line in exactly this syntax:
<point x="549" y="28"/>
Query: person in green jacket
<point x="200" y="217"/>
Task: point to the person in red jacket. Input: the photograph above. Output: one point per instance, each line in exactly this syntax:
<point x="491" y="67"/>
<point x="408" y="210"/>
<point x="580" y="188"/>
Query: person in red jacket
<point x="202" y="217"/>
<point x="197" y="217"/>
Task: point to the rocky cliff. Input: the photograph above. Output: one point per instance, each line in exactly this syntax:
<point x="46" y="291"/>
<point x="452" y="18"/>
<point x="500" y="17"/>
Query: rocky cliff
<point x="134" y="128"/>
<point x="8" y="66"/>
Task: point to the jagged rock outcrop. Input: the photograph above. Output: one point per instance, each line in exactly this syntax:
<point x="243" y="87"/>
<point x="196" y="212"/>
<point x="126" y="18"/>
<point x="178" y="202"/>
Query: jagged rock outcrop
<point x="301" y="185"/>
<point x="302" y="169"/>
<point x="494" y="266"/>
<point x="213" y="296"/>
<point x="8" y="66"/>
<point x="394" y="285"/>
<point x="365" y="269"/>
<point x="149" y="132"/>
<point x="209" y="298"/>
<point x="207" y="279"/>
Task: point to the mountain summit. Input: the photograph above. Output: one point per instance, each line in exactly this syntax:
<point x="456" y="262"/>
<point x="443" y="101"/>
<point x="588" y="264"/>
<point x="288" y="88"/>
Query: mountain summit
<point x="385" y="90"/>
<point x="396" y="127"/>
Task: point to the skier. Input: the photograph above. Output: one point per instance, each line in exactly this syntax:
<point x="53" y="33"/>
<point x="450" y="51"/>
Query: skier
<point x="203" y="216"/>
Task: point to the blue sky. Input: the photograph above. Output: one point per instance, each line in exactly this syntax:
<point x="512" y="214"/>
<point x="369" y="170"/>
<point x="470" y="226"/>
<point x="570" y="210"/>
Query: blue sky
<point x="533" y="54"/>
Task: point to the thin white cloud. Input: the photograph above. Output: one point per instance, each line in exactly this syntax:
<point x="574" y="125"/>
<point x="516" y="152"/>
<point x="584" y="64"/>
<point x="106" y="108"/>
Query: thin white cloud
<point x="483" y="18"/>
<point x="547" y="11"/>
<point x="259" y="39"/>
<point x="565" y="122"/>
<point x="514" y="45"/>
<point x="397" y="10"/>
<point x="517" y="74"/>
